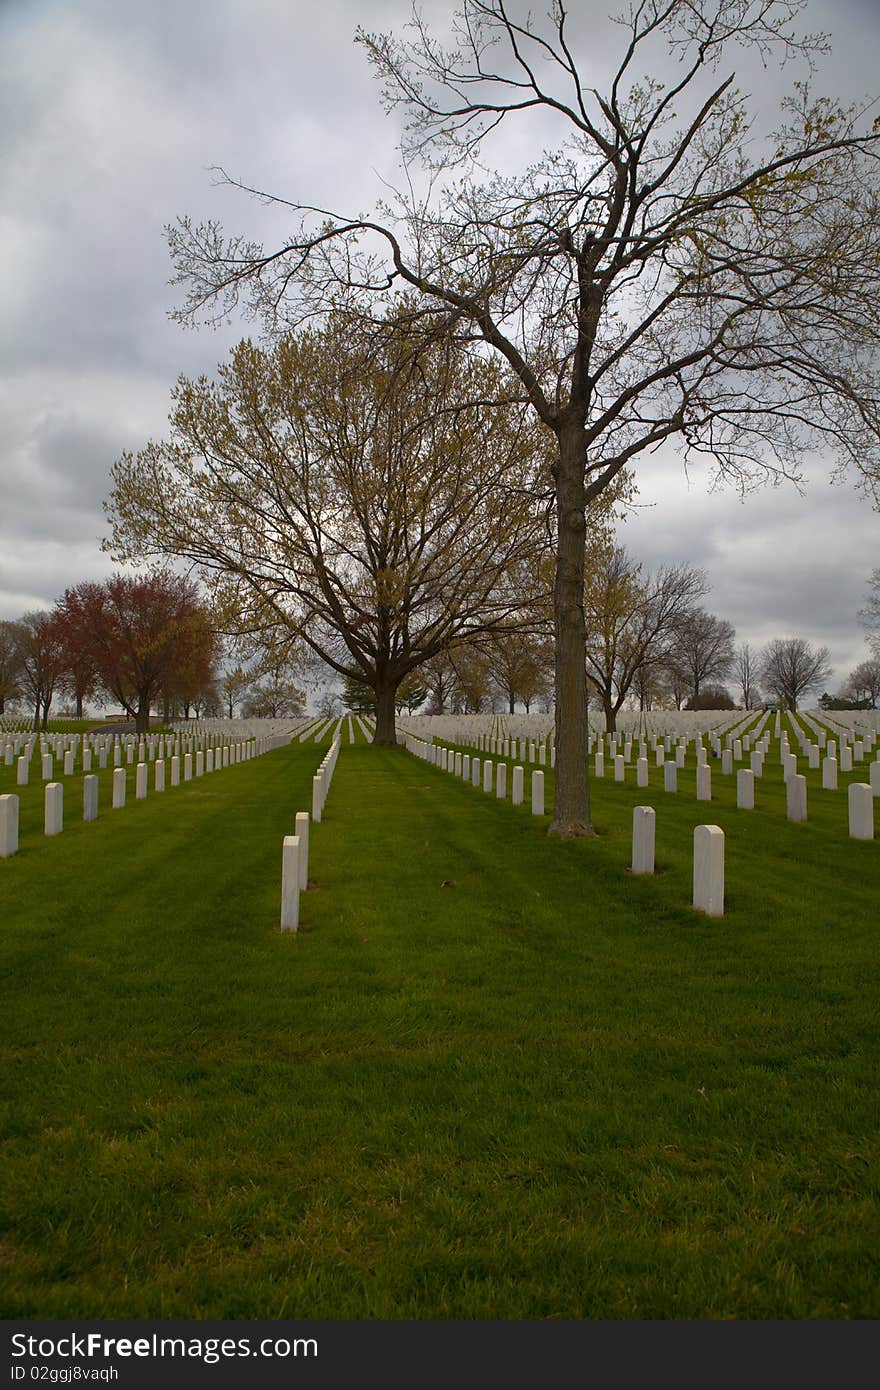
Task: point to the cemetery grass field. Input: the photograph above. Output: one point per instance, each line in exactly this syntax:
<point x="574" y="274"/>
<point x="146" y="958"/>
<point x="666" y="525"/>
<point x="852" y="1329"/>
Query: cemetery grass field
<point x="493" y="1076"/>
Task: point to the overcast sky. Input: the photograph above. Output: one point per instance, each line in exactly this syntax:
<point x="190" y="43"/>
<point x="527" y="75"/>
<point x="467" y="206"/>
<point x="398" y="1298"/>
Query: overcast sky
<point x="112" y="112"/>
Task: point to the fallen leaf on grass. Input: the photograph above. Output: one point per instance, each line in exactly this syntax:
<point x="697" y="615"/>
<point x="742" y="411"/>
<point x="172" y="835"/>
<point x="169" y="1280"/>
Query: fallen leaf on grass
<point x="448" y="883"/>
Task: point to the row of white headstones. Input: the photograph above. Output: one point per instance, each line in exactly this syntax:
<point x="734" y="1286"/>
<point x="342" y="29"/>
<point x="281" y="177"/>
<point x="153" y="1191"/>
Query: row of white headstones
<point x="295" y="847"/>
<point x="738" y="744"/>
<point x="192" y="764"/>
<point x="708" y="850"/>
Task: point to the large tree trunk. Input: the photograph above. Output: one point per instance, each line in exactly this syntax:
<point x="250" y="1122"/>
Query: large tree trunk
<point x="571" y="811"/>
<point x="610" y="713"/>
<point x="79" y="706"/>
<point x="511" y="703"/>
<point x="386" y="733"/>
<point x="142" y="718"/>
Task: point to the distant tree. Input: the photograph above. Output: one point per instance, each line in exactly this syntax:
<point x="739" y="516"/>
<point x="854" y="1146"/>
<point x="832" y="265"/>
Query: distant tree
<point x="79" y="676"/>
<point x="330" y="704"/>
<point x="632" y="620"/>
<point x="651" y="687"/>
<point x="711" y="697"/>
<point x="10" y="662"/>
<point x="193" y="682"/>
<point x="150" y="638"/>
<point x="357" y="695"/>
<point x="41" y="662"/>
<point x="438" y="674"/>
<point x="841" y="701"/>
<point x="411" y="693"/>
<point x="519" y="663"/>
<point x="274" y="695"/>
<point x="703" y="647"/>
<point x="870" y="614"/>
<point x="863" y="682"/>
<point x="472" y="693"/>
<point x="233" y="684"/>
<point x="677" y="680"/>
<point x="745" y="668"/>
<point x="791" y="666"/>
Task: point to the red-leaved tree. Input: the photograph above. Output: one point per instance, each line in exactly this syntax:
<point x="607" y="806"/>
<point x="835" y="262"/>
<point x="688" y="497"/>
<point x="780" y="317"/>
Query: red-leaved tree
<point x="143" y="636"/>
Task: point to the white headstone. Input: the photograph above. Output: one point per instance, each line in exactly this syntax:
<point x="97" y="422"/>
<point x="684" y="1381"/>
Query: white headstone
<point x="704" y="782"/>
<point x="643" y="840"/>
<point x="90" y="797"/>
<point x="118" y="787"/>
<point x="537" y="793"/>
<point x="745" y="789"/>
<point x="796" y="798"/>
<point x="670" y="776"/>
<point x="302" y="834"/>
<point x="829" y="774"/>
<point x="642" y="772"/>
<point x="21" y="771"/>
<point x="709" y="869"/>
<point x="8" y="825"/>
<point x="501" y="781"/>
<point x="140" y="782"/>
<point x="517" y="790"/>
<point x="290" y="884"/>
<point x="54" y="808"/>
<point x="861" y="811"/>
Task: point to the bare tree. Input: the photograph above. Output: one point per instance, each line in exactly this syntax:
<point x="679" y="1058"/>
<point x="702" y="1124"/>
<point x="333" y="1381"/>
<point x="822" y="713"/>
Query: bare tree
<point x="10" y="662"/>
<point x="703" y="647"/>
<point x="472" y="692"/>
<point x="42" y="662"/>
<point x="518" y="664"/>
<point x="791" y="666"/>
<point x="745" y="666"/>
<point x="438" y="673"/>
<point x="669" y="271"/>
<point x="632" y="621"/>
<point x="677" y="679"/>
<point x="651" y="686"/>
<point x="870" y="614"/>
<point x="234" y="683"/>
<point x="362" y="496"/>
<point x="864" y="681"/>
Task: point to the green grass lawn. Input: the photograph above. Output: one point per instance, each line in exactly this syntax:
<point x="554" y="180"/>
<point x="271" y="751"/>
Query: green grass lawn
<point x="493" y="1076"/>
